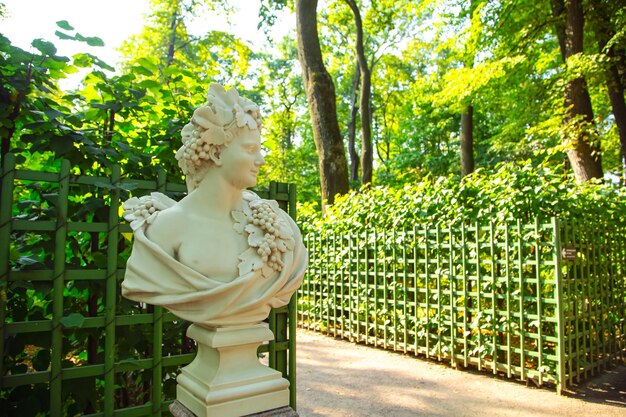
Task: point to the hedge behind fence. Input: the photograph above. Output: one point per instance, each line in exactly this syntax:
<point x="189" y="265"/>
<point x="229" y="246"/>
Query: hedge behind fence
<point x="464" y="270"/>
<point x="495" y="296"/>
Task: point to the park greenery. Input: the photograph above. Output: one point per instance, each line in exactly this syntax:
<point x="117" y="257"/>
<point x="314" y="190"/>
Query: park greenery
<point x="386" y="114"/>
<point x="423" y="89"/>
<point x="504" y="195"/>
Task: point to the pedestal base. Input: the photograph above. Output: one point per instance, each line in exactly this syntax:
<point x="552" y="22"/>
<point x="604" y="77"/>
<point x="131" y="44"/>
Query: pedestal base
<point x="226" y="378"/>
<point x="179" y="410"/>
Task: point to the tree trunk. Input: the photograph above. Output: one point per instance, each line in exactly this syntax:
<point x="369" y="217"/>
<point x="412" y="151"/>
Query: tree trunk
<point x="467" y="118"/>
<point x="320" y="93"/>
<point x="583" y="146"/>
<point x="616" y="95"/>
<point x="605" y="30"/>
<point x="354" y="156"/>
<point x="367" y="150"/>
<point x="171" y="47"/>
<point x="467" y="141"/>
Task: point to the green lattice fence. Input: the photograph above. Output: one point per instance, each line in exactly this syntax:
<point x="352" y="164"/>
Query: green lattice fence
<point x="593" y="299"/>
<point x="497" y="297"/>
<point x="71" y="344"/>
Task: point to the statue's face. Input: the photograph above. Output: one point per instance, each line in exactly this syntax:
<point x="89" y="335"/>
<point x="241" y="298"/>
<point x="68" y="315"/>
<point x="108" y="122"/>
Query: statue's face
<point x="241" y="159"/>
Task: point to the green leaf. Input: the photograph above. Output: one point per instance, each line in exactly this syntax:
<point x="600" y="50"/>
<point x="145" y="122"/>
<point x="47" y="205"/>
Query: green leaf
<point x="44" y="47"/>
<point x="103" y="184"/>
<point x="64" y="36"/>
<point x="129" y="364"/>
<point x="41" y="360"/>
<point x="170" y="71"/>
<point x="29" y="260"/>
<point x="83" y="60"/>
<point x="93" y="204"/>
<point x="100" y="260"/>
<point x="146" y="63"/>
<point x="142" y="70"/>
<point x="73" y="321"/>
<point x="61" y="145"/>
<point x="149" y="84"/>
<point x="24" y="204"/>
<point x="128" y="186"/>
<point x="94" y="41"/>
<point x="63" y="24"/>
<point x="100" y="63"/>
<point x="52" y="198"/>
<point x="124" y="147"/>
<point x="53" y="113"/>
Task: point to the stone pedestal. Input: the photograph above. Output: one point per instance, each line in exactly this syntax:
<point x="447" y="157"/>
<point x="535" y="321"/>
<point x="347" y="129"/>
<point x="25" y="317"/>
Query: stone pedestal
<point x="226" y="378"/>
<point x="179" y="410"/>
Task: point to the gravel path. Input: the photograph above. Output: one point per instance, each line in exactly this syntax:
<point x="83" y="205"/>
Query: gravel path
<point x="339" y="379"/>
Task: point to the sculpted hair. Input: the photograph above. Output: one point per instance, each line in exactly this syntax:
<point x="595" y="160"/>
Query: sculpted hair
<point x="212" y="127"/>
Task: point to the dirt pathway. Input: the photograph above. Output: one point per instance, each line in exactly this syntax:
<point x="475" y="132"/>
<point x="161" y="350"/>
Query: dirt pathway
<point x="337" y="378"/>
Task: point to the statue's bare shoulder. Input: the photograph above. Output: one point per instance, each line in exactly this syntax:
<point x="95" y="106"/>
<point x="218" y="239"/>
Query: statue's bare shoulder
<point x="167" y="229"/>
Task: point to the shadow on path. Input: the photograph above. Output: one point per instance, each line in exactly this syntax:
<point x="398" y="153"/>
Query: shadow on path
<point x="340" y="379"/>
<point x="608" y="388"/>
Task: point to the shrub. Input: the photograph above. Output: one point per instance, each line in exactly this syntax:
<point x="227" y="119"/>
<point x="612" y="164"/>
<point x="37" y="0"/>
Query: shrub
<point x="509" y="192"/>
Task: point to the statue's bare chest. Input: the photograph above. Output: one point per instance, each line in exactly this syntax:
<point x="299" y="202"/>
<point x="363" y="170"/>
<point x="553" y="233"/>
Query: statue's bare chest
<point x="212" y="249"/>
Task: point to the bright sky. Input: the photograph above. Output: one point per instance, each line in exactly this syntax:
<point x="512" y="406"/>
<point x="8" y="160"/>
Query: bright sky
<point x="113" y="21"/>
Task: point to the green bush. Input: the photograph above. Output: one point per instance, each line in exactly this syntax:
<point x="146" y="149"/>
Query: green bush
<point x="509" y="192"/>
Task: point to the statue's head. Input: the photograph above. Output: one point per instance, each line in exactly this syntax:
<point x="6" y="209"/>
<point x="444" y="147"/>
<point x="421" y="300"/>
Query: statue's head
<point x="212" y="128"/>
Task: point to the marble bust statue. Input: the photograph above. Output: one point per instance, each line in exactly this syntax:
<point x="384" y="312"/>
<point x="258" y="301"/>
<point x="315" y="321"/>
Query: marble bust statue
<point x="221" y="256"/>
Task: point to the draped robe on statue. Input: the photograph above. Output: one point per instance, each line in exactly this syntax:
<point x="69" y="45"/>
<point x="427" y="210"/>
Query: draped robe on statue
<point x="155" y="277"/>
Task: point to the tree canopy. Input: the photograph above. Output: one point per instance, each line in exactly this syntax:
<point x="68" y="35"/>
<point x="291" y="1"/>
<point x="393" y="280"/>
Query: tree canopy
<point x="421" y="88"/>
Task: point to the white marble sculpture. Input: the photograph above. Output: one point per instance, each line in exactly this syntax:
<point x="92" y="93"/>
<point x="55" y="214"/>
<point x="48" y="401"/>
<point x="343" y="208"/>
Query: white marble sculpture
<point x="221" y="257"/>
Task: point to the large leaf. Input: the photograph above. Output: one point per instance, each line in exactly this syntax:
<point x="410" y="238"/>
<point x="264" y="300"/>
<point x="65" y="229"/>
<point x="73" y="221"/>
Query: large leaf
<point x="41" y="360"/>
<point x="73" y="321"/>
<point x="94" y="41"/>
<point x="44" y="47"/>
<point x="90" y="40"/>
<point x="61" y="145"/>
<point x="29" y="260"/>
<point x="63" y="36"/>
<point x="63" y="24"/>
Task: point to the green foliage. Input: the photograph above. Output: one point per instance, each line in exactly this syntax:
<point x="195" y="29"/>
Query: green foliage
<point x="461" y="292"/>
<point x="429" y="61"/>
<point x="465" y="270"/>
<point x="134" y="119"/>
<point x="83" y="300"/>
<point x="508" y="193"/>
<point x="287" y="135"/>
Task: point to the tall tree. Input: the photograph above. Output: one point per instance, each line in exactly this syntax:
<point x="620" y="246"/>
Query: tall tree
<point x="166" y="40"/>
<point x="583" y="147"/>
<point x="354" y="108"/>
<point x="367" y="151"/>
<point x="604" y="15"/>
<point x="467" y="117"/>
<point x="320" y="92"/>
<point x="287" y="136"/>
<point x="467" y="141"/>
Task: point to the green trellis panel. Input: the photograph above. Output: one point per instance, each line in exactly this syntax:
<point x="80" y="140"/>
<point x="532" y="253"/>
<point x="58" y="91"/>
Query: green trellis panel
<point x="282" y="321"/>
<point x="495" y="296"/>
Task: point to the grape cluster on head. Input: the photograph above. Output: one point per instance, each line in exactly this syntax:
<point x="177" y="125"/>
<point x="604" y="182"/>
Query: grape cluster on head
<point x="197" y="149"/>
<point x="270" y="252"/>
<point x="213" y="126"/>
